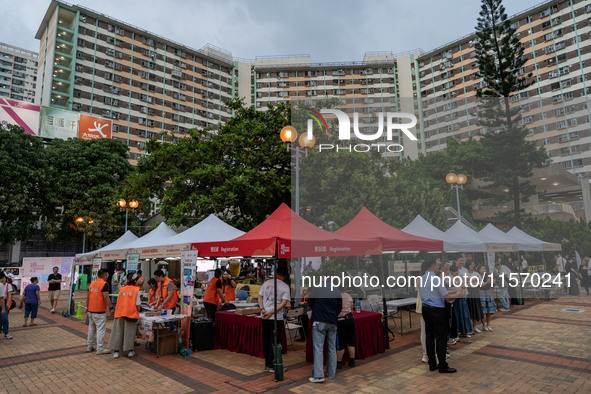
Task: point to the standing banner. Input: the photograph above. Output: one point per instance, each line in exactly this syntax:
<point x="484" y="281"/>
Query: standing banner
<point x="188" y="265"/>
<point x="59" y="123"/>
<point x="96" y="266"/>
<point x="132" y="262"/>
<point x="92" y="128"/>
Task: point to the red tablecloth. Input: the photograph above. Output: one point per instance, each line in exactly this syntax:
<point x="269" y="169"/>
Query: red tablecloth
<point x="240" y="334"/>
<point x="369" y="336"/>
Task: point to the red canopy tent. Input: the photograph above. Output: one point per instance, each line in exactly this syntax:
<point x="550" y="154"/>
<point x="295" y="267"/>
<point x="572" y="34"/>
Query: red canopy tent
<point x="365" y="225"/>
<point x="285" y="235"/>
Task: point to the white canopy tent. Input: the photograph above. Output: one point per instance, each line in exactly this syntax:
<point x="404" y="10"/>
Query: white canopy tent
<point x="119" y="243"/>
<point x="157" y="236"/>
<point x="210" y="229"/>
<point x="421" y="227"/>
<point x="528" y="243"/>
<point x="475" y="242"/>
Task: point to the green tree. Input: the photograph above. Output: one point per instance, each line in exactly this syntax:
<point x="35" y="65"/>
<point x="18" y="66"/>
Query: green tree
<point x="500" y="65"/>
<point x="85" y="177"/>
<point x="241" y="172"/>
<point x="23" y="183"/>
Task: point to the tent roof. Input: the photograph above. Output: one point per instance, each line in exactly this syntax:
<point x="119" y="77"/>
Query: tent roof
<point x="209" y="229"/>
<point x="286" y="235"/>
<point x="528" y="243"/>
<point x="117" y="244"/>
<point x="365" y="225"/>
<point x="155" y="237"/>
<point x="476" y="242"/>
<point x="493" y="232"/>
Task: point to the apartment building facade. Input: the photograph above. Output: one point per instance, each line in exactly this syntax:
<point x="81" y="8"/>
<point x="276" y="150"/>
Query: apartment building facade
<point x="18" y="73"/>
<point x="555" y="108"/>
<point x="94" y="64"/>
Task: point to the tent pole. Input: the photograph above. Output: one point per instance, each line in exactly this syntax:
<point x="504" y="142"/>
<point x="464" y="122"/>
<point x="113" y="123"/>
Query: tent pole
<point x="384" y="306"/>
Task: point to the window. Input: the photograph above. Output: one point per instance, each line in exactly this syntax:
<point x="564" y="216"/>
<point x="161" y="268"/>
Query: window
<point x="79" y="55"/>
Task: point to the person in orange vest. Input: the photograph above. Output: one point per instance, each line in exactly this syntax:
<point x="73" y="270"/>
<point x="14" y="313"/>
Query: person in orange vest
<point x="213" y="294"/>
<point x="97" y="302"/>
<point x="229" y="286"/>
<point x="167" y="291"/>
<point x="127" y="313"/>
<point x="153" y="299"/>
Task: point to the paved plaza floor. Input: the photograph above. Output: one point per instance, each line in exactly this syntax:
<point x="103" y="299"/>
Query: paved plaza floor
<point x="540" y="347"/>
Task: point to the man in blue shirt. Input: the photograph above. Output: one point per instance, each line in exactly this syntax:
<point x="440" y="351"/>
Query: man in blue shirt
<point x="434" y="294"/>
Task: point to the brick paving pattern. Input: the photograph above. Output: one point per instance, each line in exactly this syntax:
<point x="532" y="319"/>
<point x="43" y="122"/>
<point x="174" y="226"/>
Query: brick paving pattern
<point x="535" y="348"/>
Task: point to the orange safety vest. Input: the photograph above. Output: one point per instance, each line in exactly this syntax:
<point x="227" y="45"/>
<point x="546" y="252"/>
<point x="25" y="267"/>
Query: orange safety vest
<point x="229" y="291"/>
<point x="153" y="296"/>
<point x="126" y="303"/>
<point x="96" y="302"/>
<point x="164" y="293"/>
<point x="211" y="293"/>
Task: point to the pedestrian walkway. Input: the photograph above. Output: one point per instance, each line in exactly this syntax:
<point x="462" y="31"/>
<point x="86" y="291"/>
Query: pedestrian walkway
<point x="540" y="347"/>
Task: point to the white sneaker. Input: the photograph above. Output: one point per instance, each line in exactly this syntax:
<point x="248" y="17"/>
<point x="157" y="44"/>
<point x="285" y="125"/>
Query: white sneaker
<point x="457" y="339"/>
<point x="447" y="355"/>
<point x="468" y="336"/>
<point x="477" y="330"/>
<point x="89" y="349"/>
<point x="131" y="354"/>
<point x="52" y="311"/>
<point x="8" y="336"/>
<point x="489" y="328"/>
<point x="503" y="310"/>
<point x="116" y="355"/>
<point x="103" y="351"/>
<point x="316" y="380"/>
<point x="484" y="328"/>
<point x="425" y="359"/>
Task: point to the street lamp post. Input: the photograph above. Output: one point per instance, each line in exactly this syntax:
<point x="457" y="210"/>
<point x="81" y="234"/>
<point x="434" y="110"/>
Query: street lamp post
<point x="457" y="182"/>
<point x="288" y="136"/>
<point x="133" y="204"/>
<point x="79" y="221"/>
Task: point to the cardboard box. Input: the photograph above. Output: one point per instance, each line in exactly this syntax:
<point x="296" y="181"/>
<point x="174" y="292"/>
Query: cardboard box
<point x="247" y="311"/>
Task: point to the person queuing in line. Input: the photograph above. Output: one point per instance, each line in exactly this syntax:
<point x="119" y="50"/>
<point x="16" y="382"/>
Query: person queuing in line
<point x="267" y="302"/>
<point x="127" y="313"/>
<point x="326" y="305"/>
<point x="242" y="294"/>
<point x="449" y="308"/>
<point x="97" y="302"/>
<point x="585" y="271"/>
<point x="523" y="266"/>
<point x="474" y="304"/>
<point x="213" y="295"/>
<point x="31" y="300"/>
<point x="512" y="290"/>
<point x="461" y="311"/>
<point x="3" y="308"/>
<point x="153" y="298"/>
<point x="55" y="283"/>
<point x="166" y="291"/>
<point x="433" y="308"/>
<point x="228" y="286"/>
<point x="571" y="268"/>
<point x="503" y="271"/>
<point x="346" y="331"/>
<point x="419" y="310"/>
<point x="462" y="271"/>
<point x="489" y="306"/>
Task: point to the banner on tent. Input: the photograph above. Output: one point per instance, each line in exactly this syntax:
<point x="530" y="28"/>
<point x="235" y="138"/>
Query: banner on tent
<point x="132" y="262"/>
<point x="96" y="266"/>
<point x="162" y="251"/>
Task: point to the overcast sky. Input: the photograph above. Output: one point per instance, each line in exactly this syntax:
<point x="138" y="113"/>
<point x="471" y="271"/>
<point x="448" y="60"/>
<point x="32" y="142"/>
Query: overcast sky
<point x="328" y="30"/>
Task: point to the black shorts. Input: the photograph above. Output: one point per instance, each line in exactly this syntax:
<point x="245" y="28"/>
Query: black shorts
<point x="345" y="333"/>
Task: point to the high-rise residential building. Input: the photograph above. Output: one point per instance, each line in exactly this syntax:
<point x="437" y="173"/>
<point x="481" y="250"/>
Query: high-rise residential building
<point x="92" y="63"/>
<point x="18" y="73"/>
<point x="555" y="108"/>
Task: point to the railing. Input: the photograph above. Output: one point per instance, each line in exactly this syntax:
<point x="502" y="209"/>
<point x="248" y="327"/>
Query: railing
<point x="535" y="209"/>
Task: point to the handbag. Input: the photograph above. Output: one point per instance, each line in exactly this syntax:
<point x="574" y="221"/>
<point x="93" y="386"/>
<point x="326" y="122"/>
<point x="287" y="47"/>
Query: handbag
<point x="12" y="305"/>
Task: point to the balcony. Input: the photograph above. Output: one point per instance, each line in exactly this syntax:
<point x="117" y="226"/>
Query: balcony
<point x="485" y="209"/>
